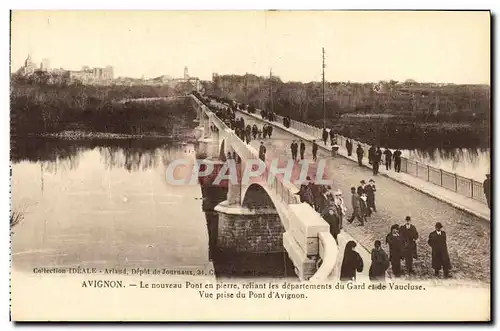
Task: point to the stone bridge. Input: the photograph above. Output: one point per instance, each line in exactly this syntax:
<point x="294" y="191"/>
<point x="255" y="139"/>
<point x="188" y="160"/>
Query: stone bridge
<point x="280" y="223"/>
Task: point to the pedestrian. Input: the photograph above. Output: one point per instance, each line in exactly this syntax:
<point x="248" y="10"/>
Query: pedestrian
<point x="269" y="131"/>
<point x="264" y="131"/>
<point x="362" y="187"/>
<point x="363" y="207"/>
<point x="377" y="157"/>
<point x="348" y="146"/>
<point x="371" y="154"/>
<point x="332" y="136"/>
<point x="314" y="150"/>
<point x="325" y="136"/>
<point x="339" y="204"/>
<point x="380" y="263"/>
<point x="356" y="207"/>
<point x="293" y="148"/>
<point x="262" y="151"/>
<point x="440" y="257"/>
<point x="254" y="131"/>
<point x="351" y="263"/>
<point x="332" y="217"/>
<point x="370" y="190"/>
<point x="487" y="189"/>
<point x="395" y="250"/>
<point x="305" y="193"/>
<point x="409" y="236"/>
<point x="302" y="149"/>
<point x="318" y="199"/>
<point x="359" y="153"/>
<point x="229" y="156"/>
<point x="388" y="158"/>
<point x="397" y="160"/>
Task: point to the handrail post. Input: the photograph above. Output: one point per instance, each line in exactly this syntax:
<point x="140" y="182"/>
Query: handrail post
<point x="456" y="182"/>
<point x="471" y="188"/>
<point x="441" y="173"/>
<point x="428" y="174"/>
<point x="416" y="168"/>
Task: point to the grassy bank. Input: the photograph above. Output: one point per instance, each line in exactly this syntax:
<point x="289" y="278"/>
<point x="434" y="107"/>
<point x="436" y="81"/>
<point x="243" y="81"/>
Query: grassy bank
<point x="45" y="109"/>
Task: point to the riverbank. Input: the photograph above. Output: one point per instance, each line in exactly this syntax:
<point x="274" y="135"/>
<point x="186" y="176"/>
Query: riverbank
<point x="54" y="110"/>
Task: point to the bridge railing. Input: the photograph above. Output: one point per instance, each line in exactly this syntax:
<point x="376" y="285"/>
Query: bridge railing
<point x="462" y="185"/>
<point x="284" y="190"/>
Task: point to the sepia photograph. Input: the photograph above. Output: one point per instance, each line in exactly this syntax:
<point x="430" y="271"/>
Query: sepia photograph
<point x="250" y="165"/>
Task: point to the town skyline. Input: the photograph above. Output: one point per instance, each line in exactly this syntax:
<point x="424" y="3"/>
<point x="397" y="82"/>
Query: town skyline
<point x="451" y="47"/>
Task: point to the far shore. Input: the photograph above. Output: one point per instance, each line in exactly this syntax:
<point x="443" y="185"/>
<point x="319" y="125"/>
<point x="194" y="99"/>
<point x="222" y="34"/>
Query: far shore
<point x="79" y="135"/>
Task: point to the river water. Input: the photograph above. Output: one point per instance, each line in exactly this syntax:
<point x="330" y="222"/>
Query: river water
<point x="104" y="204"/>
<point x="466" y="162"/>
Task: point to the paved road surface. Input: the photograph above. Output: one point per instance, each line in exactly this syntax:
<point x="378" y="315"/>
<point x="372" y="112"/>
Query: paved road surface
<point x="468" y="236"/>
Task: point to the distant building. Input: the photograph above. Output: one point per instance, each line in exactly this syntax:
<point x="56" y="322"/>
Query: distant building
<point x="44" y="65"/>
<point x="28" y="68"/>
<point x="92" y="76"/>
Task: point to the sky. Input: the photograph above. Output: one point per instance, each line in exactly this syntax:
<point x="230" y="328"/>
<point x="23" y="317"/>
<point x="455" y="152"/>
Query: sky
<point x="442" y="47"/>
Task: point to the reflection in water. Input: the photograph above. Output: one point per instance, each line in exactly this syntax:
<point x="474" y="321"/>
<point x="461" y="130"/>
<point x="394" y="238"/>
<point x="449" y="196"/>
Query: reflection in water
<point x="468" y="162"/>
<point x="64" y="155"/>
<point x="95" y="203"/>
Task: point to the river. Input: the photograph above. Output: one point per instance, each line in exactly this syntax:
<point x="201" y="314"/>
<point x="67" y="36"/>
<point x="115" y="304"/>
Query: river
<point x="471" y="163"/>
<point x="104" y="204"/>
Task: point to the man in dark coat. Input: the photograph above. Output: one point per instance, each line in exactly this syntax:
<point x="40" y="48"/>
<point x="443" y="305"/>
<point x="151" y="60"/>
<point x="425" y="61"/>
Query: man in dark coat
<point x="359" y="154"/>
<point x="377" y="157"/>
<point x="356" y="207"/>
<point x="395" y="250"/>
<point x="348" y="146"/>
<point x="397" y="160"/>
<point x="264" y="131"/>
<point x="371" y="154"/>
<point x="370" y="190"/>
<point x="380" y="263"/>
<point x="332" y="135"/>
<point x="294" y="148"/>
<point x="487" y="189"/>
<point x="325" y="136"/>
<point x="302" y="149"/>
<point x="388" y="158"/>
<point x="315" y="150"/>
<point x="332" y="217"/>
<point x="262" y="151"/>
<point x="440" y="257"/>
<point x="409" y="236"/>
<point x="317" y="196"/>
<point x="269" y="131"/>
<point x="351" y="263"/>
<point x="305" y="193"/>
<point x="361" y="188"/>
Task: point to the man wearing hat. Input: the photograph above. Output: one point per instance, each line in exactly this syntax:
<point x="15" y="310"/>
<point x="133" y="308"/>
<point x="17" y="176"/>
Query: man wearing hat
<point x="393" y="239"/>
<point x="362" y="188"/>
<point x="440" y="257"/>
<point x="409" y="236"/>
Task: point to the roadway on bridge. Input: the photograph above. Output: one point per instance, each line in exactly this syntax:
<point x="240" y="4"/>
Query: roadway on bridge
<point x="468" y="236"/>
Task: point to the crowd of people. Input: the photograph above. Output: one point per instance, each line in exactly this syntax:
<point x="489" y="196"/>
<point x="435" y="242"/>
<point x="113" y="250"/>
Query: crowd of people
<point x="329" y="203"/>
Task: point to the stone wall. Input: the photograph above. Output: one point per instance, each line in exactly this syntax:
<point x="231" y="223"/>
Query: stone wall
<point x="258" y="233"/>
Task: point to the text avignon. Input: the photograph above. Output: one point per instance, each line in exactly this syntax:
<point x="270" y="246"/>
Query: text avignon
<point x="102" y="283"/>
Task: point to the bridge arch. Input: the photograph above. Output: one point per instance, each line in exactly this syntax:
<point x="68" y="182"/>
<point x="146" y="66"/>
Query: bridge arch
<point x="257" y="194"/>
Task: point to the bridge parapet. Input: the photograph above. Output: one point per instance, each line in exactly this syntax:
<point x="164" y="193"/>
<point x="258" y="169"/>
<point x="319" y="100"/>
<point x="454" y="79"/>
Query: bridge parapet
<point x="307" y="237"/>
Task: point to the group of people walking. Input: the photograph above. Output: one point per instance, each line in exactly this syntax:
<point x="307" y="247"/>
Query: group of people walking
<point x="402" y="242"/>
<point x="363" y="201"/>
<point x="375" y="157"/>
<point x="331" y="134"/>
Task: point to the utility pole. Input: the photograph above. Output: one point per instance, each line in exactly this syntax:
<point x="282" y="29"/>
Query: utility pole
<point x="271" y="88"/>
<point x="324" y="109"/>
